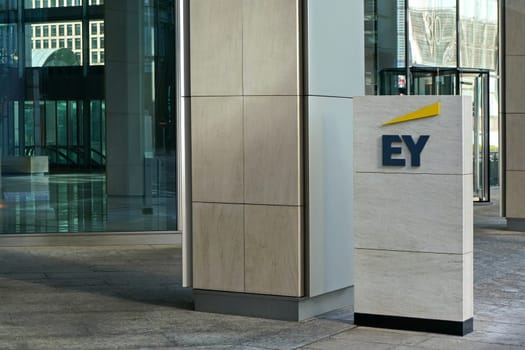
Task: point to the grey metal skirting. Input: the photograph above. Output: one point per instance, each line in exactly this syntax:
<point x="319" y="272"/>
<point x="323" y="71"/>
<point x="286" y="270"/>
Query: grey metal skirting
<point x="269" y="306"/>
<point x="516" y="224"/>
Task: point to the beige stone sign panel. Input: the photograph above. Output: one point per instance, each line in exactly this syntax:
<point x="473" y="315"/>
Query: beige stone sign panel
<point x="413" y="213"/>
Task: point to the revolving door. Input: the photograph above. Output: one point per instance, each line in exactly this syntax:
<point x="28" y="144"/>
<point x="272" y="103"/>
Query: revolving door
<point x="451" y="81"/>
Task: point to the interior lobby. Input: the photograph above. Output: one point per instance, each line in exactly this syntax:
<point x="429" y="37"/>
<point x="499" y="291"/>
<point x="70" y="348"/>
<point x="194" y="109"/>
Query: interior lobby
<point x="87" y="117"/>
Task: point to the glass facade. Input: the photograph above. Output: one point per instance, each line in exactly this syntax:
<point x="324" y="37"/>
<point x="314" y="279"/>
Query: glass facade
<point x="385" y="41"/>
<point x="39" y="4"/>
<point x="64" y="94"/>
<point x="432" y="33"/>
<point x="54" y="44"/>
<point x="440" y="47"/>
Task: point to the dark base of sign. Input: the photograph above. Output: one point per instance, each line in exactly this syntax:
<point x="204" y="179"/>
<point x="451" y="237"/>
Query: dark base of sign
<point x="415" y="324"/>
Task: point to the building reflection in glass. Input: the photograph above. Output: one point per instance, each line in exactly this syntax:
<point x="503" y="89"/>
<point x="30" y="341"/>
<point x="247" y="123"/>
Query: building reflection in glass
<point x="440" y="47"/>
<point x="91" y="87"/>
<point x="69" y="203"/>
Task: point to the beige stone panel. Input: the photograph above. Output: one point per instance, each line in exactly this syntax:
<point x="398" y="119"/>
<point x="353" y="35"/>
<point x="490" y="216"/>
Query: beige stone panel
<point x="272" y="157"/>
<point x="413" y="284"/>
<point x="218" y="247"/>
<point x="515" y="84"/>
<point x="468" y="285"/>
<point x="514" y="27"/>
<point x="407" y="212"/>
<point x="273" y="250"/>
<point x="217" y="149"/>
<point x="271" y="47"/>
<point x="515" y="142"/>
<point x="216" y="47"/>
<point x="515" y="193"/>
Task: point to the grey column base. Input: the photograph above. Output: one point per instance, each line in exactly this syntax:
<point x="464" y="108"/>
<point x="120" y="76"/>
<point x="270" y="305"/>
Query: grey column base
<point x="515" y="224"/>
<point x="269" y="306"/>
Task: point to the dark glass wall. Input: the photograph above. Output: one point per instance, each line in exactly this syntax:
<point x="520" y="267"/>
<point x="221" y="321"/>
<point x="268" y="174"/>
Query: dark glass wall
<point x="47" y="85"/>
<point x="88" y="88"/>
<point x="384" y="41"/>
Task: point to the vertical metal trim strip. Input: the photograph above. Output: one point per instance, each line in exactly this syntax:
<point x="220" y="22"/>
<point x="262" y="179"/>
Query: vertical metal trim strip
<point x="305" y="93"/>
<point x="486" y="136"/>
<point x="184" y="221"/>
<point x="458" y="49"/>
<point x="503" y="108"/>
<point x="408" y="78"/>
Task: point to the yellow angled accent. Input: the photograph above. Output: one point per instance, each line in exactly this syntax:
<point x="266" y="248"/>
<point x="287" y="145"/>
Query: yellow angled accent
<point x="425" y="112"/>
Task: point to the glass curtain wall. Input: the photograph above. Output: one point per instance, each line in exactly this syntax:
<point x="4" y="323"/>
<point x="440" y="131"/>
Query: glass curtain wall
<point x="478" y="47"/>
<point x="87" y="139"/>
<point x="432" y="33"/>
<point x="440" y="47"/>
<point x="385" y="43"/>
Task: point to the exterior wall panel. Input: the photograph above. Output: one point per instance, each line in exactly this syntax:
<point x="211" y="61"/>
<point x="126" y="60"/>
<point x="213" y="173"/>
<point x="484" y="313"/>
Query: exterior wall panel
<point x="514" y="113"/>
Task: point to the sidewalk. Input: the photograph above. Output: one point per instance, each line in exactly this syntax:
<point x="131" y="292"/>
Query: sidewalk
<point x="130" y="297"/>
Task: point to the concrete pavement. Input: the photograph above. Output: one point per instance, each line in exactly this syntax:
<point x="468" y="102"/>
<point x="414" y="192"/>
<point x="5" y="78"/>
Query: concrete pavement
<point x="130" y="297"/>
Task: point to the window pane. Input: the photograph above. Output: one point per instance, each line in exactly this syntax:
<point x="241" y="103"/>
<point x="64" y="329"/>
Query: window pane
<point x="108" y="170"/>
<point x="29" y="134"/>
<point x="56" y="49"/>
<point x="8" y="5"/>
<point x="97" y="42"/>
<point x="432" y="37"/>
<point x="384" y="44"/>
<point x="73" y="124"/>
<point x="62" y="123"/>
<point x="478" y="39"/>
<point x="8" y="46"/>
<point x="38" y="4"/>
<point x="478" y="33"/>
<point x="51" y="123"/>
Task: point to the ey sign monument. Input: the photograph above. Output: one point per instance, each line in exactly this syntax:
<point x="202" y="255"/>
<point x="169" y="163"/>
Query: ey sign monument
<point x="413" y="218"/>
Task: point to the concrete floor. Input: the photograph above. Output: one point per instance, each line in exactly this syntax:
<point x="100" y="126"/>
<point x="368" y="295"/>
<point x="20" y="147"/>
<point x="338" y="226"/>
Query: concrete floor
<point x="130" y="297"/>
